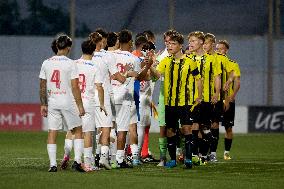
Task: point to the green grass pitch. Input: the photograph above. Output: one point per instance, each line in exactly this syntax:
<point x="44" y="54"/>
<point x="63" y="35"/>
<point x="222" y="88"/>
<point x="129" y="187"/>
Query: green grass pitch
<point x="258" y="162"/>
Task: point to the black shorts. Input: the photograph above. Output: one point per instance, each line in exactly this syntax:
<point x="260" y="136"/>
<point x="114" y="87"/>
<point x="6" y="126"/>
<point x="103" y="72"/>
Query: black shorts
<point x="177" y="114"/>
<point x="229" y="116"/>
<point x="202" y="114"/>
<point x="217" y="112"/>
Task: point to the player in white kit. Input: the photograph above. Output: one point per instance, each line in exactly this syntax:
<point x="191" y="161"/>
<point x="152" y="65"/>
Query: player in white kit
<point x="145" y="97"/>
<point x="61" y="100"/>
<point x="126" y="114"/>
<point x="106" y="62"/>
<point x="113" y="45"/>
<point x="92" y="92"/>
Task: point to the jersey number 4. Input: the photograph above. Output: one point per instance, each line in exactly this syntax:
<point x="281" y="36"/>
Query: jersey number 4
<point x="56" y="78"/>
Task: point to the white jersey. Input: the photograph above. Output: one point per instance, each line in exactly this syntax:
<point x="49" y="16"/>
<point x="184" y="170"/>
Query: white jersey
<point x="89" y="74"/>
<point x="125" y="91"/>
<point x="58" y="71"/>
<point x="164" y="54"/>
<point x="106" y="63"/>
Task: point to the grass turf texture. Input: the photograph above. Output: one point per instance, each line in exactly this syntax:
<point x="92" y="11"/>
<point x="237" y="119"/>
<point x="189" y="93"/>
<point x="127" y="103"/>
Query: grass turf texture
<point x="258" y="162"/>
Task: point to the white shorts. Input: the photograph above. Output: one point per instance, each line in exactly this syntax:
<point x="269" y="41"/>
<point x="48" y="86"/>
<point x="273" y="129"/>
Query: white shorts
<point x="88" y="122"/>
<point x="56" y="117"/>
<point x="145" y="111"/>
<point x="112" y="105"/>
<point x="101" y="119"/>
<point x="133" y="114"/>
<point x="123" y="115"/>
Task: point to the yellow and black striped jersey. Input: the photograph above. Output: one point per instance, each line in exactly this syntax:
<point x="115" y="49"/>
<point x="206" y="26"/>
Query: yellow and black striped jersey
<point x="209" y="68"/>
<point x="226" y="67"/>
<point x="179" y="77"/>
<point x="237" y="73"/>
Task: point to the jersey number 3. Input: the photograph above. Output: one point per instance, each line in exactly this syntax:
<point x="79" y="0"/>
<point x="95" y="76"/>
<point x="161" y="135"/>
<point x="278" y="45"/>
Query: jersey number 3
<point x="56" y="78"/>
<point x="82" y="82"/>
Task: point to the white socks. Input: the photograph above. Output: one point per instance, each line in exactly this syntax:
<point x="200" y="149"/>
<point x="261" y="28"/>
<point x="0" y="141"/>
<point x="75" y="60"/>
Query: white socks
<point x="113" y="145"/>
<point x="134" y="150"/>
<point x="104" y="152"/>
<point x="98" y="146"/>
<point x="120" y="156"/>
<point x="51" y="150"/>
<point x="68" y="145"/>
<point x="140" y="133"/>
<point x="78" y="149"/>
<point x="88" y="155"/>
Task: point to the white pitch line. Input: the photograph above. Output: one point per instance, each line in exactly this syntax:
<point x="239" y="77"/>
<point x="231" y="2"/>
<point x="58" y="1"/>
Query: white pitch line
<point x="253" y="162"/>
<point x="27" y="158"/>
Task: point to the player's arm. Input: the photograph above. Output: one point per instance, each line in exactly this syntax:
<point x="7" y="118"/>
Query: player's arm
<point x="145" y="74"/>
<point x="77" y="95"/>
<point x="117" y="76"/>
<point x="217" y="80"/>
<point x="100" y="89"/>
<point x="229" y="81"/>
<point x="233" y="70"/>
<point x="237" y="86"/>
<point x="43" y="97"/>
<point x="217" y="85"/>
<point x="157" y="72"/>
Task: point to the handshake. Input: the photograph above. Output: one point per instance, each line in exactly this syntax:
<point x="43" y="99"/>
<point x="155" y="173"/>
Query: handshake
<point x="149" y="58"/>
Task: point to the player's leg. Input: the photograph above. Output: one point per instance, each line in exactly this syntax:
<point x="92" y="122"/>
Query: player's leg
<point x="145" y="147"/>
<point x="105" y="123"/>
<point x="68" y="145"/>
<point x="163" y="145"/>
<point x="113" y="132"/>
<point x="228" y="122"/>
<point x="97" y="145"/>
<point x="140" y="133"/>
<point x="195" y="115"/>
<point x="54" y="124"/>
<point x="145" y="123"/>
<point x="171" y="117"/>
<point x="105" y="140"/>
<point x="74" y="123"/>
<point x="122" y="120"/>
<point x="186" y="122"/>
<point x="133" y="137"/>
<point x="113" y="146"/>
<point x="205" y="125"/>
<point x="217" y="113"/>
<point x="51" y="149"/>
<point x="163" y="131"/>
<point x="88" y="127"/>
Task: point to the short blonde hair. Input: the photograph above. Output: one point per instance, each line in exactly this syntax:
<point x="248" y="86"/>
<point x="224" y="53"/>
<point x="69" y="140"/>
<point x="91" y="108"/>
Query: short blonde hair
<point x="211" y="37"/>
<point x="224" y="42"/>
<point x="198" y="34"/>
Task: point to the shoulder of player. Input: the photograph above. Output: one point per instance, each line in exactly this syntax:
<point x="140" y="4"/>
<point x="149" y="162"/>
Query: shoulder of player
<point x="167" y="59"/>
<point x="82" y="62"/>
<point x="222" y="55"/>
<point x="191" y="56"/>
<point x="232" y="61"/>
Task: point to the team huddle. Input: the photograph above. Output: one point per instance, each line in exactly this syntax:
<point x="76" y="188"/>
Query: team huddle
<point x="104" y="99"/>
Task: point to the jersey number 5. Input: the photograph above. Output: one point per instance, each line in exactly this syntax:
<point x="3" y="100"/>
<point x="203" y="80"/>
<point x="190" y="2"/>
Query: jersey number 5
<point x="56" y="78"/>
<point x="82" y="82"/>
